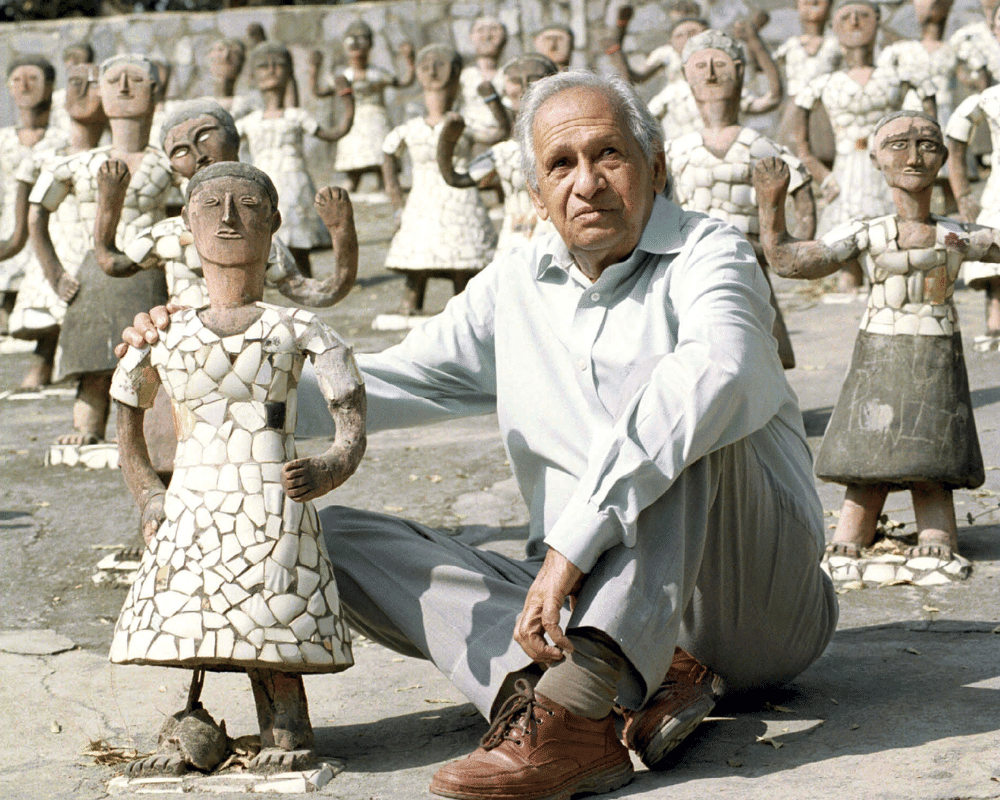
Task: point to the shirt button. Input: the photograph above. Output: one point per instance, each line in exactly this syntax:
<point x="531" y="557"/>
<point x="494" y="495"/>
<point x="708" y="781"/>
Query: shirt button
<point x="595" y="296"/>
<point x="583" y="365"/>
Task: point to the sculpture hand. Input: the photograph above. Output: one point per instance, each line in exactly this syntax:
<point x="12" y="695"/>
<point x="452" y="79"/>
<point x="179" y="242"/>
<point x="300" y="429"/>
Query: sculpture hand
<point x="625" y="13"/>
<point x="830" y="188"/>
<point x="113" y="177"/>
<point x="453" y="126"/>
<point x="341" y="85"/>
<point x="306" y="479"/>
<point x="152" y="516"/>
<point x="67" y="287"/>
<point x="145" y="328"/>
<point x="770" y="180"/>
<point x="333" y="205"/>
<point x="486" y="89"/>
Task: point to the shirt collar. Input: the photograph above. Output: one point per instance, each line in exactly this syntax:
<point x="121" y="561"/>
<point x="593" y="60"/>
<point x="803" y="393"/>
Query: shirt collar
<point x="661" y="235"/>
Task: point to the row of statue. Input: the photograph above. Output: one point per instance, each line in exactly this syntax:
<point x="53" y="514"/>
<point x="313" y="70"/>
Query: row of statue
<point x="88" y="179"/>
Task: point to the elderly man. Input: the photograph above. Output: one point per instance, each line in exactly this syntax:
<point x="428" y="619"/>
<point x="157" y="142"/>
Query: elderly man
<point x="659" y="449"/>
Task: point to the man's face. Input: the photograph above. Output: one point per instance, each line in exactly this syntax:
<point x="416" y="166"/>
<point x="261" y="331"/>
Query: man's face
<point x="83" y="100"/>
<point x="231" y="221"/>
<point x="28" y="86"/>
<point x="488" y="37"/>
<point x="434" y="70"/>
<point x="518" y="77"/>
<point x="909" y="152"/>
<point x="196" y="143"/>
<point x="595" y="183"/>
<point x="224" y="61"/>
<point x="684" y="31"/>
<point x="855" y="26"/>
<point x="272" y="71"/>
<point x="813" y="10"/>
<point x="127" y="91"/>
<point x="713" y="75"/>
<point x="556" y="44"/>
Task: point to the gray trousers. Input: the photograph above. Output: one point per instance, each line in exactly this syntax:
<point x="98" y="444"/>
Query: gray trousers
<point x="725" y="565"/>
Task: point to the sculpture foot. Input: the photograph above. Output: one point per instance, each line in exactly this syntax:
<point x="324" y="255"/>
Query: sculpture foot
<point x="943" y="551"/>
<point x="844" y="549"/>
<point x="79" y="438"/>
<point x="274" y="759"/>
<point x="156" y="766"/>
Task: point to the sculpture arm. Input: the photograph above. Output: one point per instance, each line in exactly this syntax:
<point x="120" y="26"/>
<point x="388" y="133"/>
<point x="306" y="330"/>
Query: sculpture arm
<point x="775" y="91"/>
<point x="137" y="469"/>
<point x="62" y="283"/>
<point x="343" y="89"/>
<point x="613" y="50"/>
<point x="112" y="182"/>
<point x="19" y="236"/>
<point x="409" y="72"/>
<point x="805" y="212"/>
<point x="451" y="132"/>
<point x="315" y="63"/>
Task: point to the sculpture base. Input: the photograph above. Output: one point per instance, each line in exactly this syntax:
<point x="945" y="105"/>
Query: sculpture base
<point x="103" y="455"/>
<point x="894" y="570"/>
<point x="310" y="780"/>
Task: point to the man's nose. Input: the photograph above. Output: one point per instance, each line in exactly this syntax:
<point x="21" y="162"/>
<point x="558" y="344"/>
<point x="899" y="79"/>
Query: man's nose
<point x="589" y="180"/>
<point x="229" y="216"/>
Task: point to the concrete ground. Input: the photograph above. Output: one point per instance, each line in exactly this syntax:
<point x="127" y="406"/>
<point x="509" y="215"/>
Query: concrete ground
<point x="904" y="704"/>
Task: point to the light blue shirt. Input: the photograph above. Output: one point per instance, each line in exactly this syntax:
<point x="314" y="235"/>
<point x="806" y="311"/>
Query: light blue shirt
<point x="605" y="391"/>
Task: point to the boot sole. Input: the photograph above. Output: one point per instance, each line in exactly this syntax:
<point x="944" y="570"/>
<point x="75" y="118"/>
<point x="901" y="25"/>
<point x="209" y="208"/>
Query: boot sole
<point x="599" y="782"/>
<point x="674" y="732"/>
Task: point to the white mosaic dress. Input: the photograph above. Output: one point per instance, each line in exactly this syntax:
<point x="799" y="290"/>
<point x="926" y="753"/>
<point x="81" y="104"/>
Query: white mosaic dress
<point x="972" y="111"/>
<point x="168" y="245"/>
<point x="361" y="148"/>
<point x="977" y="48"/>
<point x="520" y="222"/>
<point x="277" y="147"/>
<point x="800" y="66"/>
<point x="913" y="63"/>
<point x="478" y="117"/>
<point x="441" y="227"/>
<point x="904" y="413"/>
<point x="237" y="575"/>
<point x="854" y="109"/>
<point x="723" y="187"/>
<point x="12" y="153"/>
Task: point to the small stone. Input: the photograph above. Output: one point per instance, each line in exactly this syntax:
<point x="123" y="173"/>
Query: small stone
<point x="933" y="579"/>
<point x="849" y="572"/>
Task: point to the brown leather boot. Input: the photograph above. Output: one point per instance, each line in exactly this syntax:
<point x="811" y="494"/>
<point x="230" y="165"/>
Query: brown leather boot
<point x="686" y="696"/>
<point x="537" y="750"/>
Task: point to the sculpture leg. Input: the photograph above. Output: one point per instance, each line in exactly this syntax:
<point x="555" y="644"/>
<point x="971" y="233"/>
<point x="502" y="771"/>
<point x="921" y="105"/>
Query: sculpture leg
<point x="993" y="307"/>
<point x="90" y="411"/>
<point x="286" y="735"/>
<point x="413" y="294"/>
<point x="858" y="519"/>
<point x="40" y="373"/>
<point x="460" y="279"/>
<point x="354" y="179"/>
<point x="937" y="531"/>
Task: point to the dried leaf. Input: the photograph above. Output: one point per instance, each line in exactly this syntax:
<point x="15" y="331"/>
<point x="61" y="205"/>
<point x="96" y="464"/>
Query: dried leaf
<point x="914" y="651"/>
<point x="435" y="479"/>
<point x="407" y="688"/>
<point x="932" y="610"/>
<point x="772" y="742"/>
<point x="835" y="702"/>
<point x="437" y="700"/>
<point x="855" y="726"/>
<point x="394" y="509"/>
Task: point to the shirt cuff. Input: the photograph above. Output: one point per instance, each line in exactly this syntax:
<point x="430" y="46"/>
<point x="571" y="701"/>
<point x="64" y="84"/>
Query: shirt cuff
<point x="582" y="534"/>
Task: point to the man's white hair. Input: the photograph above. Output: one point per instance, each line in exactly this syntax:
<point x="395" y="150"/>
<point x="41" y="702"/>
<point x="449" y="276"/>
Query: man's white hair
<point x="633" y="114"/>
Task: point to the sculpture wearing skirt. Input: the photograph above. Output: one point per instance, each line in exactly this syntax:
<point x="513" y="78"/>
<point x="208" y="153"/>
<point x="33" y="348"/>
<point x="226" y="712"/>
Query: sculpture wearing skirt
<point x="904" y="418"/>
<point x="360" y="151"/>
<point x="275" y="137"/>
<point x="443" y="231"/>
<point x="854" y="98"/>
<point x="235" y="575"/>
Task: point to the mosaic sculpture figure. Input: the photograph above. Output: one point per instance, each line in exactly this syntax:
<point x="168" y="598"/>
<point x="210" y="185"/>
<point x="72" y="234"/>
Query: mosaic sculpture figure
<point x="482" y="82"/>
<point x="556" y="43"/>
<point x="100" y="305"/>
<point x="226" y="58"/>
<point x="235" y="576"/>
<point x="503" y="160"/>
<point x="666" y="57"/>
<point x="443" y="231"/>
<point x="904" y="418"/>
<point x="74" y="54"/>
<point x="359" y="152"/>
<point x="275" y="137"/>
<point x="977" y="50"/>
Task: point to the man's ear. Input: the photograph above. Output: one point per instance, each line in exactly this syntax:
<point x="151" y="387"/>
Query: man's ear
<point x="536" y="201"/>
<point x="659" y="172"/>
<point x="275" y="221"/>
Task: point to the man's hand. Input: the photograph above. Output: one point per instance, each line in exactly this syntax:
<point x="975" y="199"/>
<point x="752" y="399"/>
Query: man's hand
<point x="146" y="328"/>
<point x="306" y="479"/>
<point x="558" y="580"/>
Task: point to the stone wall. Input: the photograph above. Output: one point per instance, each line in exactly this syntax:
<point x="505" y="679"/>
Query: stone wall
<point x="183" y="38"/>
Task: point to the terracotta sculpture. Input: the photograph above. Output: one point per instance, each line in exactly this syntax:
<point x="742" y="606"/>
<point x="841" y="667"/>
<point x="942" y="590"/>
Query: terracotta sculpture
<point x="73" y="55"/>
<point x="904" y="418"/>
<point x="667" y="57"/>
<point x="556" y="43"/>
<point x="255" y="36"/>
<point x="503" y="160"/>
<point x="854" y="98"/>
<point x="235" y="575"/>
<point x="482" y="82"/>
<point x="812" y="53"/>
<point x="226" y="58"/>
<point x="443" y="231"/>
<point x="29" y="81"/>
<point x="39" y="311"/>
<point x="360" y="151"/>
<point x="275" y="138"/>
<point x="711" y="170"/>
<point x="977" y="50"/>
<point x="100" y="306"/>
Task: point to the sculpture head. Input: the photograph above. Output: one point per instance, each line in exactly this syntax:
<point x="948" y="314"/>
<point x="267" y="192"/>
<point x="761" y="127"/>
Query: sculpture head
<point x="232" y="213"/>
<point x="519" y="73"/>
<point x="271" y="66"/>
<point x="989" y="7"/>
<point x="489" y="36"/>
<point x="932" y="10"/>
<point x="714" y="63"/>
<point x="909" y="150"/>
<point x="77" y="53"/>
<point x="198" y="134"/>
<point x="83" y="98"/>
<point x="358" y="37"/>
<point x="556" y="43"/>
<point x="30" y="80"/>
<point x="816" y="12"/>
<point x="128" y="87"/>
<point x="855" y="22"/>
<point x="683" y="9"/>
<point x="684" y="29"/>
<point x="438" y="68"/>
<point x="226" y="58"/>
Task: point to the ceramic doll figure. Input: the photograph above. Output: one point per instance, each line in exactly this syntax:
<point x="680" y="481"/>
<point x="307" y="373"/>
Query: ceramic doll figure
<point x="854" y="98"/>
<point x="360" y="151"/>
<point x="39" y="311"/>
<point x="489" y="37"/>
<point x="904" y="418"/>
<point x="99" y="304"/>
<point x="667" y="57"/>
<point x="556" y="43"/>
<point x="443" y="231"/>
<point x="503" y="160"/>
<point x="977" y="50"/>
<point x="802" y="58"/>
<point x="29" y="81"/>
<point x="226" y="58"/>
<point x="73" y="55"/>
<point x="235" y="575"/>
<point x="275" y="138"/>
<point x="710" y="170"/>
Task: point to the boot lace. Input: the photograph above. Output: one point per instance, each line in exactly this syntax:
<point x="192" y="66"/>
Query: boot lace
<point x="515" y="717"/>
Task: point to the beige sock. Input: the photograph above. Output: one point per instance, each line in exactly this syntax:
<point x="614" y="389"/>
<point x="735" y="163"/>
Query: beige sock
<point x="586" y="680"/>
